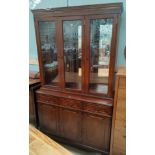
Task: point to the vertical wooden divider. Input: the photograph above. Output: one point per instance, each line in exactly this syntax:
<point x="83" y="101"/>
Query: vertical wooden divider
<point x="36" y="23"/>
<point x="112" y="57"/>
<point x="60" y="51"/>
<point x="87" y="53"/>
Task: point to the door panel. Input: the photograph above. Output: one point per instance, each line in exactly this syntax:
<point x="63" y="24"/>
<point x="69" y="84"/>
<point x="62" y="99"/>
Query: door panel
<point x="48" y="118"/>
<point x="47" y="32"/>
<point x="72" y="36"/>
<point x="70" y="124"/>
<point x="99" y="51"/>
<point x="100" y="45"/>
<point x="96" y="132"/>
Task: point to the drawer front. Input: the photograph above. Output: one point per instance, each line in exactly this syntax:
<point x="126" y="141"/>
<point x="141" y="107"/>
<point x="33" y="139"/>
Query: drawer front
<point x="97" y="108"/>
<point x="70" y="103"/>
<point x="47" y="99"/>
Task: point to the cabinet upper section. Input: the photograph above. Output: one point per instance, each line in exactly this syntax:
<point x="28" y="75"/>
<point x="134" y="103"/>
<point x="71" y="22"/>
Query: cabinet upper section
<point x="111" y="8"/>
<point x="77" y="47"/>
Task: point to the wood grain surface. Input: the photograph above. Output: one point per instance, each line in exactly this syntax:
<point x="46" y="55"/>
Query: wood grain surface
<point x="70" y="110"/>
<point x="40" y="144"/>
<point x="118" y="136"/>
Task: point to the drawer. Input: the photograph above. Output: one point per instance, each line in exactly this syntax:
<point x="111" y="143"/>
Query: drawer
<point x="122" y="82"/>
<point x="97" y="108"/>
<point x="70" y="103"/>
<point x="47" y="99"/>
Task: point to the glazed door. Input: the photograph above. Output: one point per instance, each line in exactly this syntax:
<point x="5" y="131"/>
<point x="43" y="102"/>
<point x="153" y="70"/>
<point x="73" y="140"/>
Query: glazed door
<point x="100" y="54"/>
<point x="48" y="52"/>
<point x="73" y="54"/>
<point x="77" y="53"/>
<point x="48" y="118"/>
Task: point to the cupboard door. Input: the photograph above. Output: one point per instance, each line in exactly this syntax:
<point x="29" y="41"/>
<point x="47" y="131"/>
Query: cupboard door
<point x="70" y="124"/>
<point x="72" y="36"/>
<point x="48" y="118"/>
<point x="96" y="132"/>
<point x="49" y="53"/>
<point x="99" y="32"/>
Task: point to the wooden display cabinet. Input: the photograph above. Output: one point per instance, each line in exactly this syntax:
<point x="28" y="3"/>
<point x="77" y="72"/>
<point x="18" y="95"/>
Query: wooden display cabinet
<point x="76" y="50"/>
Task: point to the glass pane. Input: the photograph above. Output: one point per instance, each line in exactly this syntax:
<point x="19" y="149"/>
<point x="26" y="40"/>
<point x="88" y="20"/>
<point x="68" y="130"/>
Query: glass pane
<point x="49" y="52"/>
<point x="72" y="34"/>
<point x="100" y="44"/>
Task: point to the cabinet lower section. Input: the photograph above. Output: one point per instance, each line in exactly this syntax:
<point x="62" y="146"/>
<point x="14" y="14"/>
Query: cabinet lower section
<point x="75" y="121"/>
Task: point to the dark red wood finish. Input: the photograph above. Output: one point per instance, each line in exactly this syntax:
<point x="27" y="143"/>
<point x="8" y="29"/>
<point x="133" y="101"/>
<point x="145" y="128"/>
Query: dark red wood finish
<point x="85" y="13"/>
<point x="34" y="84"/>
<point x="80" y="121"/>
<point x="77" y="116"/>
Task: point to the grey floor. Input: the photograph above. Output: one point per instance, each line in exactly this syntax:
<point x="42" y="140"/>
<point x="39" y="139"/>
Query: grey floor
<point x="76" y="151"/>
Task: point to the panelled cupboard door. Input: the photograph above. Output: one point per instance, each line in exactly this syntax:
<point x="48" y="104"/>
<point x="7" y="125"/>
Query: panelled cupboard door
<point x="70" y="124"/>
<point x="48" y="118"/>
<point x="96" y="131"/>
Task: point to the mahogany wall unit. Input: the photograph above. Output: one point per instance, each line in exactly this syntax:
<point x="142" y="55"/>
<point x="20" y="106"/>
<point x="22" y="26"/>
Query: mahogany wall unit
<point x="118" y="138"/>
<point x="76" y="50"/>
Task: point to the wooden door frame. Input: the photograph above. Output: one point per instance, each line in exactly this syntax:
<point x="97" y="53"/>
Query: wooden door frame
<point x="112" y="52"/>
<point x="40" y="56"/>
<point x="70" y="18"/>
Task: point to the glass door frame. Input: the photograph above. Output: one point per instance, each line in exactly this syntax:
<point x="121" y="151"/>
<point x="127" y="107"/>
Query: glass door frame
<point x="61" y="44"/>
<point x="112" y="52"/>
<point x="40" y="55"/>
<point x="85" y="51"/>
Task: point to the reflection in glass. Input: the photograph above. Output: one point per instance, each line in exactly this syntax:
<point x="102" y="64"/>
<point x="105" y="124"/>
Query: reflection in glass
<point x="100" y="44"/>
<point x="49" y="53"/>
<point x="72" y="34"/>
